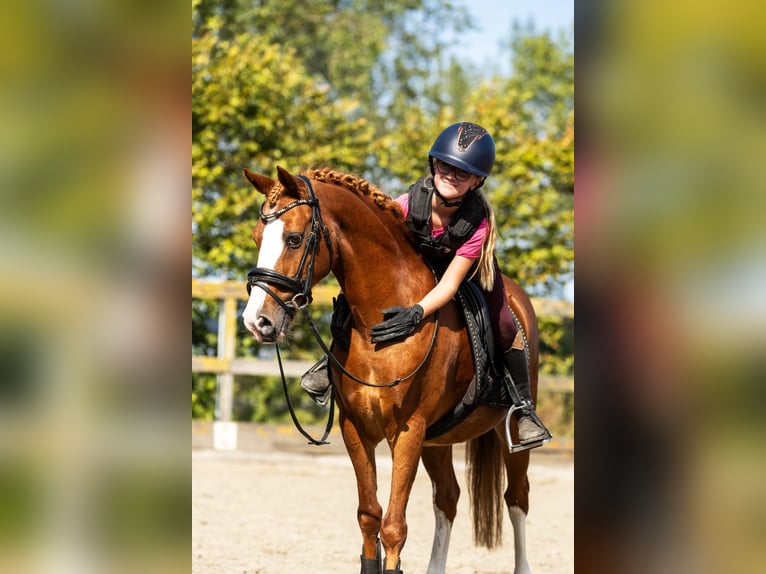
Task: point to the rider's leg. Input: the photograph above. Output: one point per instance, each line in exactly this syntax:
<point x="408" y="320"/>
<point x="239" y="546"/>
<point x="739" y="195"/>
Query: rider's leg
<point x="316" y="381"/>
<point x="531" y="429"/>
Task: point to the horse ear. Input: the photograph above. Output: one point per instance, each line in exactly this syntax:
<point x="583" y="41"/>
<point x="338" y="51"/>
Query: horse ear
<point x="289" y="183"/>
<point x="260" y="182"/>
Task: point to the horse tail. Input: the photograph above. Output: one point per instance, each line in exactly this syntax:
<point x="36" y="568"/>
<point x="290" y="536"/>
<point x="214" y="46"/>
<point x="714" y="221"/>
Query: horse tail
<point x="485" y="481"/>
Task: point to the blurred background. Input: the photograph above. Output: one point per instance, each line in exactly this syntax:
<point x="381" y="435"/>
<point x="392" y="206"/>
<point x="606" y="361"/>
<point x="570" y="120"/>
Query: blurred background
<point x="671" y="252"/>
<point x="94" y="252"/>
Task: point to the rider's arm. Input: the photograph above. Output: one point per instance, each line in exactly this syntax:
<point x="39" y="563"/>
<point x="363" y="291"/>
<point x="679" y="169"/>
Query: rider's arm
<point x="446" y="288"/>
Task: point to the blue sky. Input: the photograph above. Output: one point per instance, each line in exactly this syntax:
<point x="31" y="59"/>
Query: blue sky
<point x="494" y="17"/>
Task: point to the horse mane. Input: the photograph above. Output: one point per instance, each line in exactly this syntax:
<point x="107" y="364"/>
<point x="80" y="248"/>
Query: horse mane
<point x="362" y="188"/>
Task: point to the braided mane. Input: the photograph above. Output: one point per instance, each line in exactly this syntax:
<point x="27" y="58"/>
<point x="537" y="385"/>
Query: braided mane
<point x="273" y="196"/>
<point x="361" y="187"/>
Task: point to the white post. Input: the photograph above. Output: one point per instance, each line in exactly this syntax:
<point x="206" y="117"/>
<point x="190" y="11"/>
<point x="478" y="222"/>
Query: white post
<point x="224" y="430"/>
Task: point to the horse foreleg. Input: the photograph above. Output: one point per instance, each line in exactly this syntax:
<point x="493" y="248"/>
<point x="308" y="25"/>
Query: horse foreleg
<point x="438" y="464"/>
<point x="517" y="500"/>
<point x="405" y="455"/>
<point x="369" y="510"/>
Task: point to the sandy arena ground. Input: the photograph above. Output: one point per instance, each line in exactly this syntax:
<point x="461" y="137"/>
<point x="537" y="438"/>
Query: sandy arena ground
<point x="289" y="511"/>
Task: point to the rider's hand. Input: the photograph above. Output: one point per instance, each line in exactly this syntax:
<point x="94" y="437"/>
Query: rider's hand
<point x="399" y="322"/>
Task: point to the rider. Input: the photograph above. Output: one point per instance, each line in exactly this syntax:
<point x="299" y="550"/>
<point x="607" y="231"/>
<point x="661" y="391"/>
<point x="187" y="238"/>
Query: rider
<point x="454" y="225"/>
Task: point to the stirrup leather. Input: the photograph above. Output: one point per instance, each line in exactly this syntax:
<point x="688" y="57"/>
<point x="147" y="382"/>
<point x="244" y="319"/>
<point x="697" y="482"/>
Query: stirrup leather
<point x="527" y="409"/>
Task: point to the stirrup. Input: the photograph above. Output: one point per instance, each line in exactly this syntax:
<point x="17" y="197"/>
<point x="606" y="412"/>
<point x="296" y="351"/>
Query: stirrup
<point x="514" y="447"/>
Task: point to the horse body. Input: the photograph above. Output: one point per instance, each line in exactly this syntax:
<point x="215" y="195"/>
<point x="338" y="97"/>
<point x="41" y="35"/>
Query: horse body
<point x="368" y="250"/>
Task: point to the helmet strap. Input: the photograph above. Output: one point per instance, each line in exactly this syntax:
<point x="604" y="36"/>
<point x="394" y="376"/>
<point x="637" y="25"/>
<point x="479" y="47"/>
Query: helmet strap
<point x="446" y="203"/>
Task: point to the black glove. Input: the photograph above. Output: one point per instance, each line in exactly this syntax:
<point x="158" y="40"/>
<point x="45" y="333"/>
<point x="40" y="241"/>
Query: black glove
<point x="400" y="322"/>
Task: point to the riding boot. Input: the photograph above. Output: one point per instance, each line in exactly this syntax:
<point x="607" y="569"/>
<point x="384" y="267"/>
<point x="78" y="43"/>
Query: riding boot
<point x="531" y="428"/>
<point x="316" y="382"/>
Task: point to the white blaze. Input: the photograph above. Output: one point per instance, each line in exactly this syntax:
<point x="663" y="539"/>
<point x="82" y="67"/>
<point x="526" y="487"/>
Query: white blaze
<point x="271" y="248"/>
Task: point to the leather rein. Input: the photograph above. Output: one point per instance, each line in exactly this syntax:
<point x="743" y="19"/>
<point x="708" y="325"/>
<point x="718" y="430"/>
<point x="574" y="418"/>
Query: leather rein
<point x="263" y="278"/>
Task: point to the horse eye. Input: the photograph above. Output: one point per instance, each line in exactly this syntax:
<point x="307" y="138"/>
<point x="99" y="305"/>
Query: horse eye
<point x="294" y="240"/>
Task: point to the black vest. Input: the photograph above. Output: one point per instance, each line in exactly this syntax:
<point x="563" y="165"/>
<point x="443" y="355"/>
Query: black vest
<point x="439" y="252"/>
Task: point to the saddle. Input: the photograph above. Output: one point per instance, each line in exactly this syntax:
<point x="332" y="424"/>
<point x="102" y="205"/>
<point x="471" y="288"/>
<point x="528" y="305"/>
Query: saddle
<point x="488" y="386"/>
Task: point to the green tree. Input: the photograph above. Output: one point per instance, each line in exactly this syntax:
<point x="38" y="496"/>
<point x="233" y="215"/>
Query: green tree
<point x="531" y="117"/>
<point x="543" y="74"/>
<point x="380" y="55"/>
<point x="253" y="105"/>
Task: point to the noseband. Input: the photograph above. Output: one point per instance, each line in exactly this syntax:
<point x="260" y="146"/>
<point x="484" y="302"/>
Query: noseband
<point x="301" y="288"/>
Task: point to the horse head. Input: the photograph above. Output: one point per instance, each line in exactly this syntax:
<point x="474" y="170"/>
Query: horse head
<point x="294" y="253"/>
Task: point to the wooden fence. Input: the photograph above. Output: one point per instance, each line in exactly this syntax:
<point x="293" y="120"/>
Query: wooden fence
<point x="226" y="364"/>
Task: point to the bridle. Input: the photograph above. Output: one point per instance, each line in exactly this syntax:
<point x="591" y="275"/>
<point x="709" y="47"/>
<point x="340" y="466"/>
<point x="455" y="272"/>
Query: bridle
<point x="262" y="278"/>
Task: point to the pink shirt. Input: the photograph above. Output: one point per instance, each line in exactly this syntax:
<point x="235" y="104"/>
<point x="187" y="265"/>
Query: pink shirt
<point x="471" y="249"/>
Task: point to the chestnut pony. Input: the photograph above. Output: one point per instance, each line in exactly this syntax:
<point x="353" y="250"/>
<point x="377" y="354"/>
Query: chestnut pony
<point x="325" y="221"/>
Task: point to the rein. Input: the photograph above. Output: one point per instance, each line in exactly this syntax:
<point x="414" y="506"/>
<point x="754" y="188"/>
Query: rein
<point x="356" y="379"/>
<point x="330" y="417"/>
<point x="262" y="278"/>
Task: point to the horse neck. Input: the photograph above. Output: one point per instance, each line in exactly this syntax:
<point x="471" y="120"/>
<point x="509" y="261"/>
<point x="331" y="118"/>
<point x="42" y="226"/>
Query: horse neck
<point x="377" y="266"/>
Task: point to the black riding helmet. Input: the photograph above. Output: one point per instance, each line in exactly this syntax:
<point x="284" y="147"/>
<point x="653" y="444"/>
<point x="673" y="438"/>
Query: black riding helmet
<point x="465" y="145"/>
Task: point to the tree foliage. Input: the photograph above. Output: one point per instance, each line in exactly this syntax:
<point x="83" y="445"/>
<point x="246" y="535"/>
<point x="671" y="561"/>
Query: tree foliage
<point x="315" y="82"/>
<point x="253" y="105"/>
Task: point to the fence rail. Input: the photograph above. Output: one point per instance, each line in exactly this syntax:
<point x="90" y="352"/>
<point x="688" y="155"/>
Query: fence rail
<point x="226" y="364"/>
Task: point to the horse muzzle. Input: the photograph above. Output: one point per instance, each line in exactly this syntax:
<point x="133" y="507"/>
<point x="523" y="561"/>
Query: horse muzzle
<point x="268" y="320"/>
<point x="269" y="328"/>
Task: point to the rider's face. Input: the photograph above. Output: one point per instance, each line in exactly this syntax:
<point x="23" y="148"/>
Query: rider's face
<point x="453" y="182"/>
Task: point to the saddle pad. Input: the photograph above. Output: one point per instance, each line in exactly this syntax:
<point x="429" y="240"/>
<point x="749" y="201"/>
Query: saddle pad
<point x="488" y="381"/>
